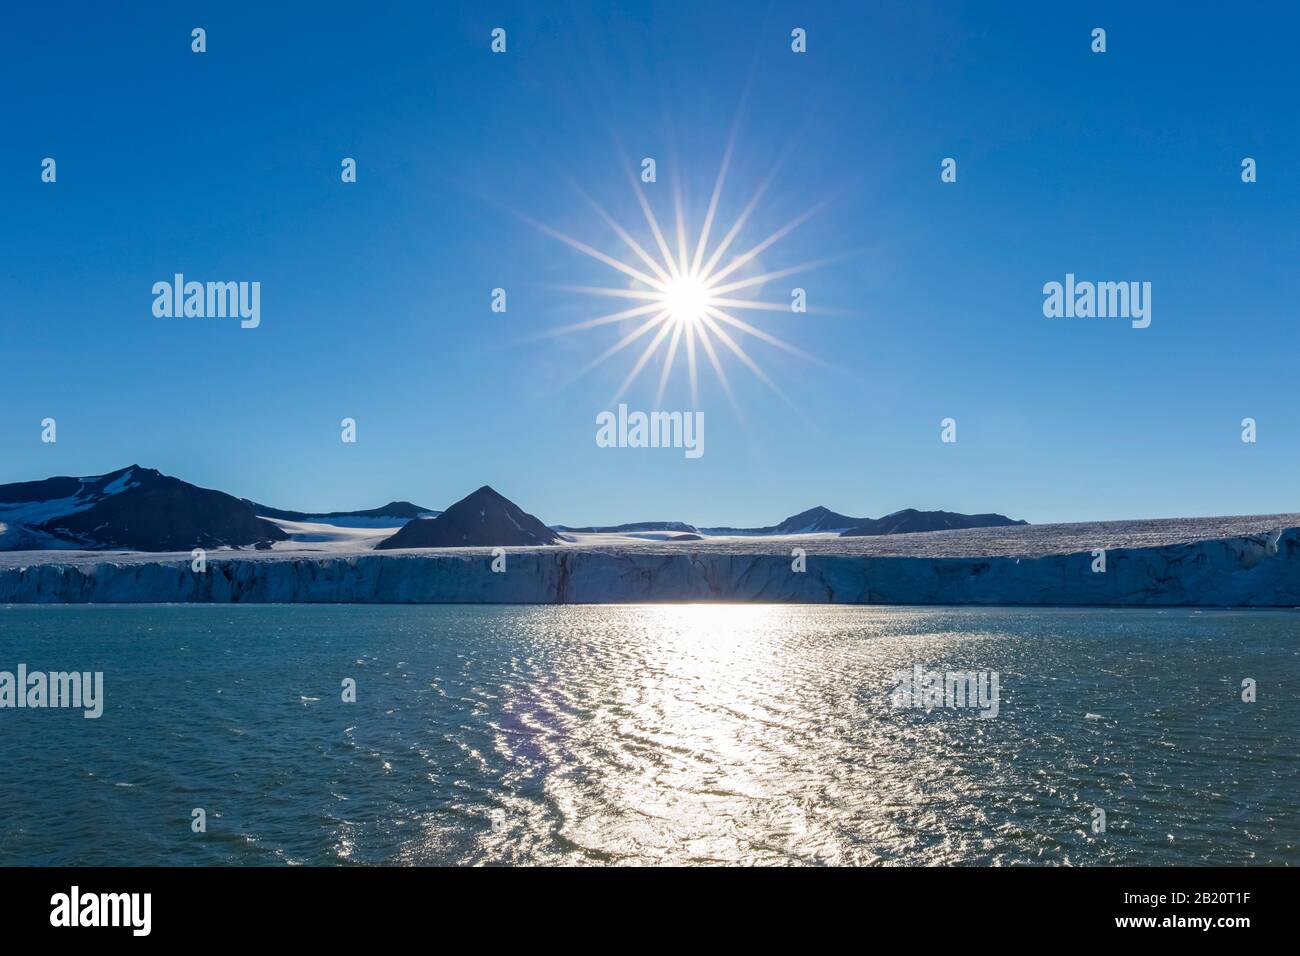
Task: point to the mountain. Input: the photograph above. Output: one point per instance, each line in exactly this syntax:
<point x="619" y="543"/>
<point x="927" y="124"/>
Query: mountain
<point x="134" y="508"/>
<point x="481" y="519"/>
<point x="632" y="526"/>
<point x="392" y="515"/>
<point x="911" y="521"/>
<point x="907" y="521"/>
<point x="813" y="520"/>
<point x="142" y="509"/>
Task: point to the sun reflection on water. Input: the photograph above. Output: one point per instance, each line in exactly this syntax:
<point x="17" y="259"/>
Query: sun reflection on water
<point x="658" y="734"/>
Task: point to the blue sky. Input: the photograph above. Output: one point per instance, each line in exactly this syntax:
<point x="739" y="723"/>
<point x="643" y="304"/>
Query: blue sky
<point x="375" y="295"/>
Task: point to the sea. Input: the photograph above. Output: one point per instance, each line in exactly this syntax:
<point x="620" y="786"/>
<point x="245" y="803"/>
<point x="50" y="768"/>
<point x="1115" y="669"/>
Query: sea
<point x="706" y="734"/>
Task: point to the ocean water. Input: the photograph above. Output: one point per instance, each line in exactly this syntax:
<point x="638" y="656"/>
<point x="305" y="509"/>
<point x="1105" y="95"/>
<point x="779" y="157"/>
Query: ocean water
<point x="703" y="734"/>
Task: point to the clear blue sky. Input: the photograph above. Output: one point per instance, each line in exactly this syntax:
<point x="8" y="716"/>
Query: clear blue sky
<point x="375" y="296"/>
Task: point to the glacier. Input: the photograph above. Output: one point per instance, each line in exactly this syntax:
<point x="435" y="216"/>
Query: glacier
<point x="1259" y="568"/>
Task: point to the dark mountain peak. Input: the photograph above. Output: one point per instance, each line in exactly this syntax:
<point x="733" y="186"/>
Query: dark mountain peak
<point x="912" y="521"/>
<point x="483" y="518"/>
<point x="819" y="518"/>
<point x="630" y="526"/>
<point x="130" y="469"/>
<point x="134" y="508"/>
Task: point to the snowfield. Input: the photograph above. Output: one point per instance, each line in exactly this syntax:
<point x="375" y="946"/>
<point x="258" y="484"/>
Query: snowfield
<point x="1225" y="561"/>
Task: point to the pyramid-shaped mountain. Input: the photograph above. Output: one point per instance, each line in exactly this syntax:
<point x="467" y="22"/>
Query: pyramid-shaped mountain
<point x="483" y="519"/>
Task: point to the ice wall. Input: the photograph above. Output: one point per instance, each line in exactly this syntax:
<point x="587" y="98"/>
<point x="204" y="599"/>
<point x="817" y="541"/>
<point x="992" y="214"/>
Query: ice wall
<point x="1257" y="570"/>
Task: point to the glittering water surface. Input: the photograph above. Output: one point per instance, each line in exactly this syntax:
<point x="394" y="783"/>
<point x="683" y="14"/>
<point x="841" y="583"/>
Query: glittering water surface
<point x="657" y="734"/>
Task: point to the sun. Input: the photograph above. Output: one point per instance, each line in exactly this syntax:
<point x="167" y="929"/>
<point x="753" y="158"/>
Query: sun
<point x="688" y="294"/>
<point x="687" y="300"/>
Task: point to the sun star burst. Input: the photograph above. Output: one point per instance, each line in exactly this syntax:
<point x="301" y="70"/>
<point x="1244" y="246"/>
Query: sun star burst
<point x="686" y="297"/>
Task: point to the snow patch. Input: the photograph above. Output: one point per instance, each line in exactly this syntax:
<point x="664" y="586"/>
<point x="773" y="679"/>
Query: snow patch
<point x="122" y="484"/>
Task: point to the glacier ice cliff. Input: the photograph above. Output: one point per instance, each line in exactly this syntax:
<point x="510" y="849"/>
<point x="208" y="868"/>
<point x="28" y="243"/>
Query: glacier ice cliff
<point x="1254" y="570"/>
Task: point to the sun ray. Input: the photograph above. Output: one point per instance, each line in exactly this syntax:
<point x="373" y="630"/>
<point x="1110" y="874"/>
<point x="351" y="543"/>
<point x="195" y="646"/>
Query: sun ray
<point x="745" y="213"/>
<point x="718" y="370"/>
<point x="750" y="304"/>
<point x="681" y="232"/>
<point x="668" y="361"/>
<point x="630" y="242"/>
<point x="713" y="201"/>
<point x="613" y="293"/>
<point x="603" y="320"/>
<point x="781" y="233"/>
<point x="759" y="333"/>
<point x="650" y="219"/>
<point x="622" y="343"/>
<point x="741" y="354"/>
<point x="690" y="365"/>
<point x="734" y="231"/>
<point x="650" y="349"/>
<point x="598" y="255"/>
<point x="715" y="291"/>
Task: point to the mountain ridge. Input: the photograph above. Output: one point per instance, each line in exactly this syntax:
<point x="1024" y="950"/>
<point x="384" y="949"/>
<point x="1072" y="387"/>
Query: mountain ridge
<point x="136" y="508"/>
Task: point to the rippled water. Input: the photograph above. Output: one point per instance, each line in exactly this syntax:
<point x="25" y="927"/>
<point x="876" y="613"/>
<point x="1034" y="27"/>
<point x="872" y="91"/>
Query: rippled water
<point x="664" y="734"/>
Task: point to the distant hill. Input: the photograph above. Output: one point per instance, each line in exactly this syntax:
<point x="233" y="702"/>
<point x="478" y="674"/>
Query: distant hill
<point x="911" y="521"/>
<point x="632" y="526"/>
<point x="814" y="520"/>
<point x="823" y="520"/>
<point x="394" y="514"/>
<point x="481" y="519"/>
<point x="134" y="508"/>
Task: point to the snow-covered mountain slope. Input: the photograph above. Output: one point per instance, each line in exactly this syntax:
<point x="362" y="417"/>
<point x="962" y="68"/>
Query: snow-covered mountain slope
<point x="141" y="509"/>
<point x="133" y="508"/>
<point x="26" y="505"/>
<point x="326" y="536"/>
<point x="392" y="515"/>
